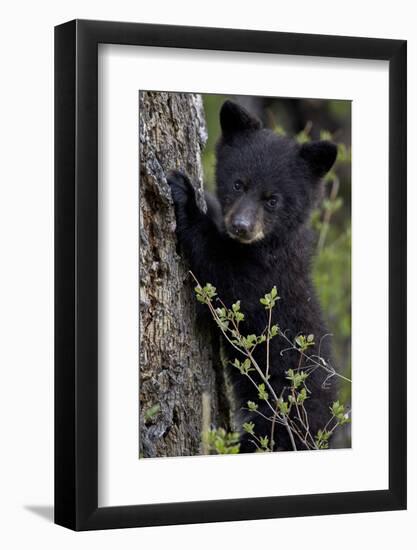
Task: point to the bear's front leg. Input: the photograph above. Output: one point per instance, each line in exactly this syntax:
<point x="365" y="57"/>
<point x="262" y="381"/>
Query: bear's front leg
<point x="187" y="212"/>
<point x="197" y="233"/>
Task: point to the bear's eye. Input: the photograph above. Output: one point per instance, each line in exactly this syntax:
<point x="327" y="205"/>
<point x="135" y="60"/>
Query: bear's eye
<point x="238" y="185"/>
<point x="272" y="202"/>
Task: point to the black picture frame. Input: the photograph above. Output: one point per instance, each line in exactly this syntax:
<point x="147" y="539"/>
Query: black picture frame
<point x="76" y="272"/>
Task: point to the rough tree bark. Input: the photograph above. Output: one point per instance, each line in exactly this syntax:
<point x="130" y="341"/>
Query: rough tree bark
<point x="177" y="361"/>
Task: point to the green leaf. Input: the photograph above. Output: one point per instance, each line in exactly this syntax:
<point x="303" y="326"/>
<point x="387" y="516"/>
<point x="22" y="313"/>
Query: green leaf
<point x="270" y="299"/>
<point x="322" y="439"/>
<point x="283" y="407"/>
<point x="274" y="331"/>
<point x="248" y="427"/>
<point x="264" y="441"/>
<point x="325" y="135"/>
<point x="206" y="294"/>
<point x="302" y="396"/>
<point x="302" y="137"/>
<point x="221" y="442"/>
<point x="278" y="129"/>
<point x="244" y="367"/>
<point x="262" y="393"/>
<point x="337" y="409"/>
<point x="249" y="341"/>
<point x="239" y="316"/>
<point x="210" y="290"/>
<point x="200" y="294"/>
<point x="297" y="378"/>
<point x="221" y="312"/>
<point x="304" y="342"/>
<point x="344" y="419"/>
<point x="150" y="413"/>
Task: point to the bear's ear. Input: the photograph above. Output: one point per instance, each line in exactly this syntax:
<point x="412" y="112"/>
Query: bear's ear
<point x="234" y="119"/>
<point x="319" y="155"/>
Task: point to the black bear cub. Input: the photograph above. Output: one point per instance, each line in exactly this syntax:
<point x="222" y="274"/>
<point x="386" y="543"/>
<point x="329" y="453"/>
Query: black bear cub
<point x="254" y="236"/>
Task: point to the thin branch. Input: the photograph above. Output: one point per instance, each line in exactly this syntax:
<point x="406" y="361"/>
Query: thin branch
<point x="328" y="214"/>
<point x="268" y="337"/>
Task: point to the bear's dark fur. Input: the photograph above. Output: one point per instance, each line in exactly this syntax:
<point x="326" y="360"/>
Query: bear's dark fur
<point x="254" y="236"/>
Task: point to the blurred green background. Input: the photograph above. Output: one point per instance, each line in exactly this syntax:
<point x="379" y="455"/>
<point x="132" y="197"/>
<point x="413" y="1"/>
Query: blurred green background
<point x="304" y="120"/>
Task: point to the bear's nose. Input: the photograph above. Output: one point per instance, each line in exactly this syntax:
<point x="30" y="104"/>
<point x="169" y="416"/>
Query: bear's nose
<point x="241" y="227"/>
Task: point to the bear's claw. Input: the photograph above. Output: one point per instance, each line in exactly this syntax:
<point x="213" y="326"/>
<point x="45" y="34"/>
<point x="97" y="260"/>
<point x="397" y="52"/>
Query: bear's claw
<point x="181" y="187"/>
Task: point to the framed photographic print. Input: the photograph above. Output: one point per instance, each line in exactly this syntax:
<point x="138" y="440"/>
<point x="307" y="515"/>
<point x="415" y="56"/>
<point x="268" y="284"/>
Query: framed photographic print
<point x="230" y="275"/>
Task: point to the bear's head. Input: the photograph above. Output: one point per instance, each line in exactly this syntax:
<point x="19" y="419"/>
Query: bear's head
<point x="266" y="184"/>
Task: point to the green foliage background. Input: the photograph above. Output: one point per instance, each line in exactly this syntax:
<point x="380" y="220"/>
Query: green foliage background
<point x="306" y="119"/>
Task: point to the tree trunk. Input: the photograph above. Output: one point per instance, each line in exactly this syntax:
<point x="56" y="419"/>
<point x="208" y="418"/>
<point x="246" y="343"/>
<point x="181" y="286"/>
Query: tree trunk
<point x="177" y="362"/>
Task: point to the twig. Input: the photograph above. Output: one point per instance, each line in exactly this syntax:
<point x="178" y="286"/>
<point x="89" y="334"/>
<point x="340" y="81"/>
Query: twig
<point x="328" y="214"/>
<point x="267" y="341"/>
